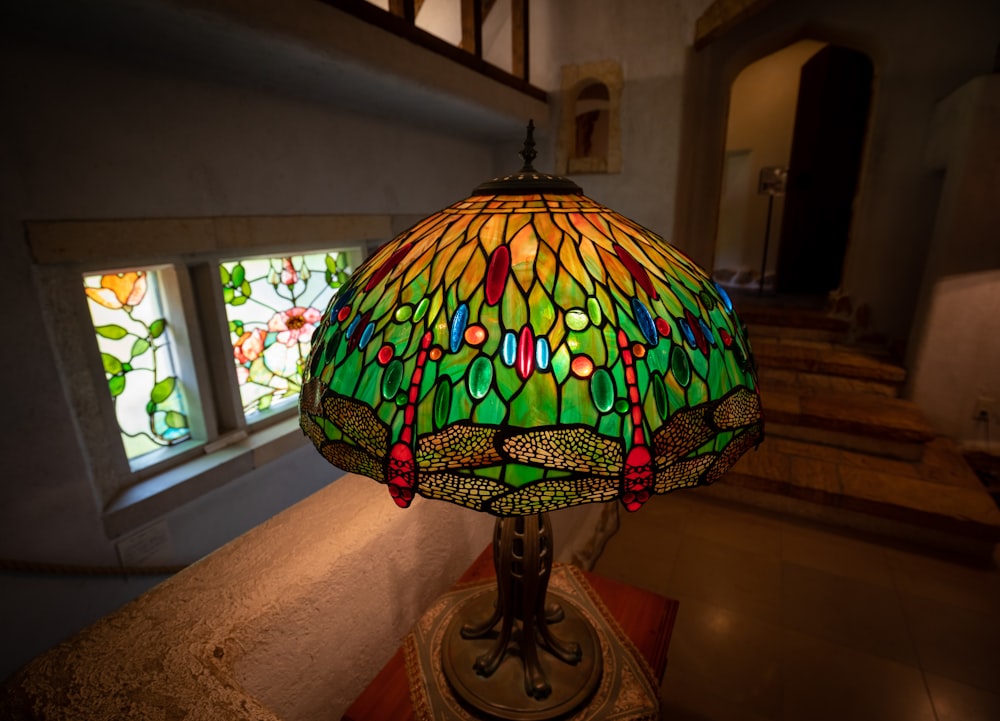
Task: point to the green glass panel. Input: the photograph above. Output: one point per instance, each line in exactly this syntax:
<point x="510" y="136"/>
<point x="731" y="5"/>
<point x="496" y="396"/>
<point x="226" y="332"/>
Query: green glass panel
<point x="480" y="377"/>
<point x="442" y="404"/>
<point x="602" y="389"/>
<point x="391" y="380"/>
<point x="421" y="310"/>
<point x="138" y="360"/>
<point x="577" y="319"/>
<point x="660" y="395"/>
<point x="507" y="380"/>
<point x="610" y="425"/>
<point x="528" y="409"/>
<point x="490" y="410"/>
<point x="576" y="406"/>
<point x="680" y="366"/>
<point x="594" y="310"/>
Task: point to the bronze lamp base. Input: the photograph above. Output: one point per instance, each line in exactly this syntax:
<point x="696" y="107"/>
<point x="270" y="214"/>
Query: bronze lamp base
<point x="508" y="662"/>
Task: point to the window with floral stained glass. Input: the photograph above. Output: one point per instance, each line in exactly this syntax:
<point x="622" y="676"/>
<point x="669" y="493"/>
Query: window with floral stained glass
<point x="273" y="306"/>
<point x="141" y="370"/>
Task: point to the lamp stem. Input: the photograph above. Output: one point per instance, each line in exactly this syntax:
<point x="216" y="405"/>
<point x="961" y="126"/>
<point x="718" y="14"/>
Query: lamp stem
<point x="522" y="558"/>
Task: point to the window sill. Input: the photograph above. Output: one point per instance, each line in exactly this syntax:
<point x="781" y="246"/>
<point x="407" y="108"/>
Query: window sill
<point x="158" y="495"/>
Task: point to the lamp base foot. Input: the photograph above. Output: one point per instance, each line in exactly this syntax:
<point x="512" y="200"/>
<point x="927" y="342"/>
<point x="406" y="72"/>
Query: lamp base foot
<point x="502" y="694"/>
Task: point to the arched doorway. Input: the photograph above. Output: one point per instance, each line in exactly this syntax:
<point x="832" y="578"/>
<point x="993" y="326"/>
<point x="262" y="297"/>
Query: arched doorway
<point x="794" y="139"/>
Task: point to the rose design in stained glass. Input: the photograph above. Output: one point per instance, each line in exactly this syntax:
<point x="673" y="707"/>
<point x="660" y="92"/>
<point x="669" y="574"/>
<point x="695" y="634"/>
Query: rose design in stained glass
<point x="134" y="341"/>
<point x="274" y="306"/>
<point x="523" y="353"/>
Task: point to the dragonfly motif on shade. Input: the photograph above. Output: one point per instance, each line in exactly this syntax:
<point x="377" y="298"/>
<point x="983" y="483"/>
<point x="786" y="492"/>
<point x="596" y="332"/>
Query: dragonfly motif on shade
<point x="519" y="353"/>
<point x="445" y="462"/>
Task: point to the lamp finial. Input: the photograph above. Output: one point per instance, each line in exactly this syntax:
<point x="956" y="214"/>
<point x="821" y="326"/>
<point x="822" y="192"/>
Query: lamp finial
<point x="527" y="179"/>
<point x="528" y="151"/>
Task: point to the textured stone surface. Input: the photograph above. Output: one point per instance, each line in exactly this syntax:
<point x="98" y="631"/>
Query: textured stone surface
<point x="826" y="358"/>
<point x="942" y="496"/>
<point x="289" y="621"/>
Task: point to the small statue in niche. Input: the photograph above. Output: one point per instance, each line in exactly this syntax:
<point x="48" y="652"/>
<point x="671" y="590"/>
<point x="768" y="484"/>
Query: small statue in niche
<point x="585" y="124"/>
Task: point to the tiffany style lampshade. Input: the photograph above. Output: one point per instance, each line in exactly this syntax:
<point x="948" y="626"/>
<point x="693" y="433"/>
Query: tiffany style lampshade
<point x="522" y="351"/>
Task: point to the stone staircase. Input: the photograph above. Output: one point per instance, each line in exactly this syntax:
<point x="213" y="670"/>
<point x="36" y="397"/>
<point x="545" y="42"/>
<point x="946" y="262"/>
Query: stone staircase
<point x="843" y="448"/>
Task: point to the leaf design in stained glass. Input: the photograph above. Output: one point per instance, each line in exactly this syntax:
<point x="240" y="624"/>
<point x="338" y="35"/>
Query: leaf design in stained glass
<point x="134" y="341"/>
<point x="273" y="306"/>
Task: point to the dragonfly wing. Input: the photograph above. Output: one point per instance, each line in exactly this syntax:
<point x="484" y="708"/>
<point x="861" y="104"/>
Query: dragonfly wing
<point x="555" y="493"/>
<point x="683" y="474"/>
<point x="359" y="422"/>
<point x="466" y="490"/>
<point x="687" y="430"/>
<point x="707" y="467"/>
<point x="567" y="449"/>
<point x="353" y="459"/>
<point x="463" y="445"/>
<point x="732" y="452"/>
<point x="312" y="430"/>
<point x="738" y="408"/>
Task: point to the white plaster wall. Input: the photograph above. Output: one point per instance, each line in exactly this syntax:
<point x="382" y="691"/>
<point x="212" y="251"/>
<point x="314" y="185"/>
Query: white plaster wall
<point x="957" y="362"/>
<point x="88" y="136"/>
<point x="953" y="359"/>
<point x="650" y="40"/>
<point x="442" y="18"/>
<point x="498" y="48"/>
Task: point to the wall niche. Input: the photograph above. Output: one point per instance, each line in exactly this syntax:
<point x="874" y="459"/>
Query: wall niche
<point x="590" y="125"/>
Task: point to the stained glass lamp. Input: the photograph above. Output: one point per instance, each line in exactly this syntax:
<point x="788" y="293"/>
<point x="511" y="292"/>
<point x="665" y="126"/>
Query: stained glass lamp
<point x="522" y="351"/>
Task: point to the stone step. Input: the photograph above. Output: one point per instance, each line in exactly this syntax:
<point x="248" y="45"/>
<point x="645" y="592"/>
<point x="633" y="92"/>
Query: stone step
<point x="780" y="321"/>
<point x="821" y="383"/>
<point x="757" y="330"/>
<point x="821" y="366"/>
<point x="863" y="422"/>
<point x="937" y="502"/>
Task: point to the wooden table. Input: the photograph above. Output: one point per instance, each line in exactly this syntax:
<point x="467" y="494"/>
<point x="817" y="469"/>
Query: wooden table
<point x="647" y="618"/>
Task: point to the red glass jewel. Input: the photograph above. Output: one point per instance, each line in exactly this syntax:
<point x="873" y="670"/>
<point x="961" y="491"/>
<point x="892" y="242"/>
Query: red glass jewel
<point x="636" y="271"/>
<point x="394" y="260"/>
<point x="496" y="274"/>
<point x="525" y="352"/>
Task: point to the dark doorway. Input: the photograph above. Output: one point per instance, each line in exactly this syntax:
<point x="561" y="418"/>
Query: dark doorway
<point x="830" y="123"/>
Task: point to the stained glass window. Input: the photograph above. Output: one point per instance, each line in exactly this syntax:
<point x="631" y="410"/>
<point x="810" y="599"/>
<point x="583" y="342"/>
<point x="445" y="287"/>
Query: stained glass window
<point x="134" y="340"/>
<point x="273" y="306"/>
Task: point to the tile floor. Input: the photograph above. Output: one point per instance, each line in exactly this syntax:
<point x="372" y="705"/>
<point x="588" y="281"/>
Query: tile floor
<point x="785" y="620"/>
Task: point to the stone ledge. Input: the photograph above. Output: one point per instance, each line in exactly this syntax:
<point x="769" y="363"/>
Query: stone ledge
<point x="289" y="621"/>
